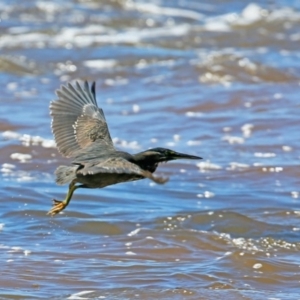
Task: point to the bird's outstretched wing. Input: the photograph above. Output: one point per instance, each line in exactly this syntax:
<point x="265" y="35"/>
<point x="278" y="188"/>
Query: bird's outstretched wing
<point x="117" y="165"/>
<point x="77" y="121"/>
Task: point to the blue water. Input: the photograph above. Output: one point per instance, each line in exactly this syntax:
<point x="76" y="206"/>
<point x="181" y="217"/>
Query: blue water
<point x="218" y="80"/>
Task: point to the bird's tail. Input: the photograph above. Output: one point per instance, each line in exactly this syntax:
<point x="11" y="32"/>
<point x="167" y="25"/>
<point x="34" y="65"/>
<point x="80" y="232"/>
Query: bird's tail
<point x="65" y="174"/>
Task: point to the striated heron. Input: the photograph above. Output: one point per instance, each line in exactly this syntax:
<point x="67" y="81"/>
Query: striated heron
<point x="81" y="133"/>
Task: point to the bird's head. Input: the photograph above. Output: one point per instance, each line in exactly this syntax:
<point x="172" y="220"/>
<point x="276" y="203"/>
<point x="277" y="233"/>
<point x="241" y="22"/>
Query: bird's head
<point x="164" y="155"/>
<point x="149" y="159"/>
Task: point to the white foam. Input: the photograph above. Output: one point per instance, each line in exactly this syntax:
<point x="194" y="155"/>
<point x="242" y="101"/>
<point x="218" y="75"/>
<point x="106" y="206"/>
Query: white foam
<point x="237" y="166"/>
<point x="134" y="232"/>
<point x="207" y="165"/>
<point x="79" y="294"/>
<point x="295" y="194"/>
<point x="166" y="11"/>
<point x="85" y="37"/>
<point x="284" y="13"/>
<point x="264" y="155"/>
<point x="9" y="172"/>
<point x="192" y="114"/>
<point x="15" y="249"/>
<point x="100" y="63"/>
<point x="135" y="108"/>
<point x="171" y="144"/>
<point x="227" y="129"/>
<point x="134" y="145"/>
<point x="272" y="169"/>
<point x="49" y="6"/>
<point x="48" y="143"/>
<point x="117" y="81"/>
<point x="19" y="176"/>
<point x="18" y="29"/>
<point x="247" y="130"/>
<point x="143" y="63"/>
<point x="257" y="266"/>
<point x="11" y="135"/>
<point x="23" y="158"/>
<point x="219" y="23"/>
<point x="208" y="194"/>
<point x="225" y="255"/>
<point x="130" y="253"/>
<point x="250" y="14"/>
<point x="277" y="96"/>
<point x="12" y="86"/>
<point x="26" y="252"/>
<point x="233" y="139"/>
<point x="209" y="77"/>
<point x="176" y="137"/>
<point x="193" y="143"/>
<point x="287" y="148"/>
<point x="29" y="140"/>
<point x="7" y="168"/>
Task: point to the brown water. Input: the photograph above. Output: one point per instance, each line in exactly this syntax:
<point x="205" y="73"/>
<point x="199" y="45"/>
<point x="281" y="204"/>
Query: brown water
<point x="218" y="80"/>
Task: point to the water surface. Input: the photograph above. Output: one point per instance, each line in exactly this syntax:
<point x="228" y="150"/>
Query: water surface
<point x="218" y="80"/>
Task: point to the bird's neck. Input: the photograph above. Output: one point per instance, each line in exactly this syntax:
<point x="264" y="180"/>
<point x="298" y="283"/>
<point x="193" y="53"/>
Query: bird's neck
<point x="145" y="162"/>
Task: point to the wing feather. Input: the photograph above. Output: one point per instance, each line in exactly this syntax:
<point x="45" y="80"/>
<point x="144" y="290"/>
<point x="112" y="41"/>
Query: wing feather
<point x="117" y="165"/>
<point x="77" y="121"/>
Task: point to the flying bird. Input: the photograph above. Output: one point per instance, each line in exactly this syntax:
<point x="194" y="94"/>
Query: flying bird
<point x="81" y="133"/>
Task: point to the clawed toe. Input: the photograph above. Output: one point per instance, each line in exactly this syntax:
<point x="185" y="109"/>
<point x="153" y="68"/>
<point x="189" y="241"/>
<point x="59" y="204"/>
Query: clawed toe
<point x="58" y="206"/>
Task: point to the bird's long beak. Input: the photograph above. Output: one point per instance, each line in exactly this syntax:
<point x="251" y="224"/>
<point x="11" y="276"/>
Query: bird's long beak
<point x="178" y="155"/>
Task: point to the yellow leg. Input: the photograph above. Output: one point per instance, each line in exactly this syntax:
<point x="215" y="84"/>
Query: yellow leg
<point x="58" y="206"/>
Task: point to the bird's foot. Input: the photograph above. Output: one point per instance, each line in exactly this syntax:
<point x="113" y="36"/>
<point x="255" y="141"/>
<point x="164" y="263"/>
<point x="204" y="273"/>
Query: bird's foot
<point x="58" y="206"/>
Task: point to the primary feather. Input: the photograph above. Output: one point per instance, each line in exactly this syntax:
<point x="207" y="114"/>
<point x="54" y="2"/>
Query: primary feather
<point x="77" y="121"/>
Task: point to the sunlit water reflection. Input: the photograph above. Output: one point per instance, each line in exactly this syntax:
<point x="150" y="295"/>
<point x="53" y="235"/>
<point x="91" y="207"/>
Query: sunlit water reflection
<point x="218" y="80"/>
